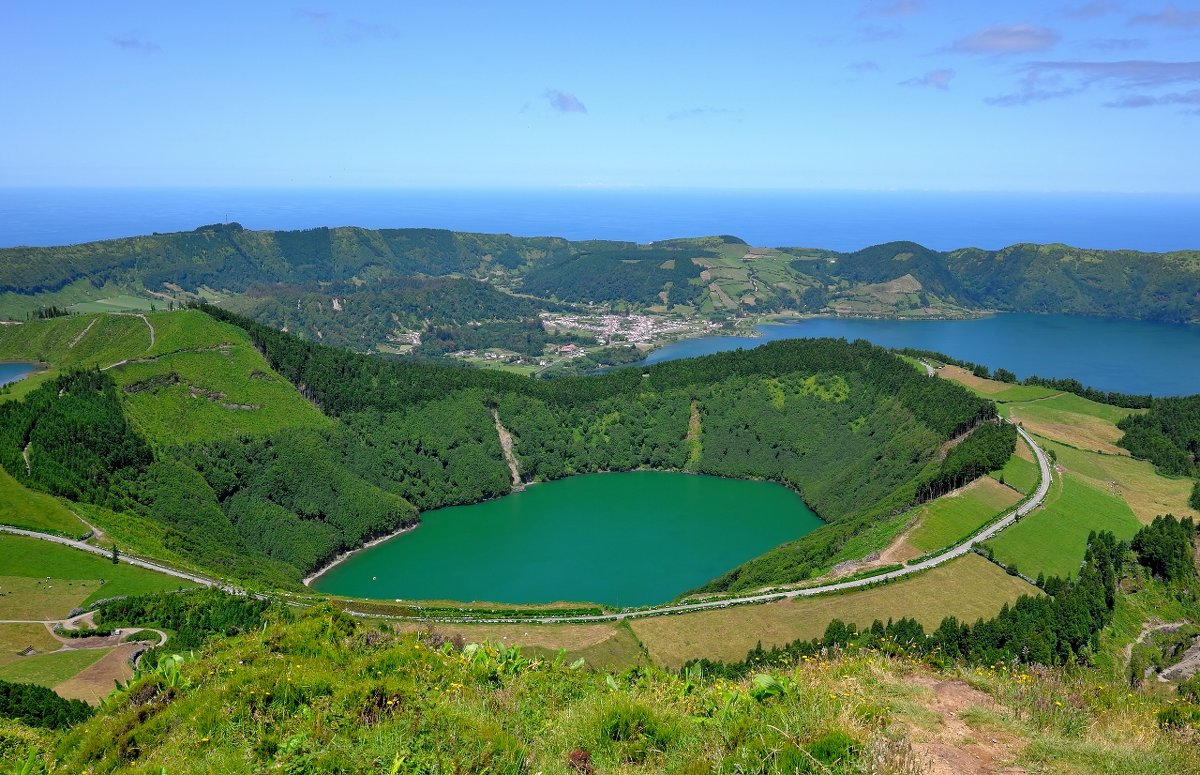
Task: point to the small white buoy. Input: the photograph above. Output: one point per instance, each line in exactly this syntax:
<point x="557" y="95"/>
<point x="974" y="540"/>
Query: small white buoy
<point x="374" y="578"/>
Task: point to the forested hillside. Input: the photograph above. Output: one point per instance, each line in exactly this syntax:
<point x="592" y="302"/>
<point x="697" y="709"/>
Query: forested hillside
<point x="851" y="427"/>
<point x="380" y="278"/>
<point x="275" y="488"/>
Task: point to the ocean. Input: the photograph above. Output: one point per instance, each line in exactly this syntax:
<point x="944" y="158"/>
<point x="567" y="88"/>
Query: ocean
<point x="839" y="220"/>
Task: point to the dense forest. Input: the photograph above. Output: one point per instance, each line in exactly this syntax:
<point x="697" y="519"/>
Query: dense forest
<point x="194" y="617"/>
<point x="38" y="706"/>
<point x="849" y="426"/>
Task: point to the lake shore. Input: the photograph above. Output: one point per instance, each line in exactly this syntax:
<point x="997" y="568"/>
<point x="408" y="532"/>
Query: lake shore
<point x="308" y="580"/>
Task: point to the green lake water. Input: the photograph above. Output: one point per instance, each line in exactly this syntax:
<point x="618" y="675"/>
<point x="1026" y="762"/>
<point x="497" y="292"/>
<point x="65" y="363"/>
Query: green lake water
<point x="625" y="539"/>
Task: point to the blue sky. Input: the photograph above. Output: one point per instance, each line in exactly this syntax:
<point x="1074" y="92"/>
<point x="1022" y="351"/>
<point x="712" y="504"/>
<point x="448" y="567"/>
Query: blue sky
<point x="887" y="94"/>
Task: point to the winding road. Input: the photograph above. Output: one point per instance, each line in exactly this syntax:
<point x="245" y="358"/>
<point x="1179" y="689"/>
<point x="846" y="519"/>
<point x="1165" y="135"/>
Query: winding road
<point x="954" y="552"/>
<point x="125" y="558"/>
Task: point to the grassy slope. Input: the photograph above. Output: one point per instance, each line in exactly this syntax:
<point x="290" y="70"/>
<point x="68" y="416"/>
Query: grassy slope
<point x="15" y="638"/>
<point x="207" y="355"/>
<point x="35" y="559"/>
<point x="953" y="517"/>
<point x="1136" y="482"/>
<point x="22" y="507"/>
<point x="1052" y="540"/>
<point x="1072" y="420"/>
<point x="133" y="534"/>
<point x="296" y="699"/>
<point x="1019" y="473"/>
<point x="968" y="588"/>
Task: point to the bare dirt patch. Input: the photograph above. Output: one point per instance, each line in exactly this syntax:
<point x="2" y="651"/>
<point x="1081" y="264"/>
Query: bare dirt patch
<point x="955" y="747"/>
<point x="96" y="682"/>
<point x="506" y="444"/>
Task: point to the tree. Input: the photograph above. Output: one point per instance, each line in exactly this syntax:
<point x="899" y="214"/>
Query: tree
<point x="116" y="555"/>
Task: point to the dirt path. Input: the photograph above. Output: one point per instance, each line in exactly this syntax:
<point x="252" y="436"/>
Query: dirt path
<point x="954" y="747"/>
<point x="693" y="435"/>
<point x="506" y="444"/>
<point x="1148" y="629"/>
<point x="150" y="326"/>
<point x="81" y="334"/>
<point x="25" y="457"/>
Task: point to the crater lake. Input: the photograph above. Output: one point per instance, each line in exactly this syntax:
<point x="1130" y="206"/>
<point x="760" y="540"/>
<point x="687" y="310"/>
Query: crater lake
<point x="622" y="539"/>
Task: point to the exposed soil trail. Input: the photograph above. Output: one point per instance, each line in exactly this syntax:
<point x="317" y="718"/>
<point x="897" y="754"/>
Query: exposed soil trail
<point x="150" y="326"/>
<point x="81" y="334"/>
<point x="506" y="444"/>
<point x="954" y="747"/>
<point x="1148" y="629"/>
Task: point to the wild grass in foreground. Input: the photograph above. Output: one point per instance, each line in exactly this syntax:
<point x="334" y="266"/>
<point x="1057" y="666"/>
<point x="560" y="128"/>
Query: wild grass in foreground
<point x="327" y="694"/>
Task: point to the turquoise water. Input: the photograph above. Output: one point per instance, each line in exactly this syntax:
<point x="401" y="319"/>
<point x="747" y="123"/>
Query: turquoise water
<point x="626" y="539"/>
<point x="1129" y="356"/>
<point x="11" y="372"/>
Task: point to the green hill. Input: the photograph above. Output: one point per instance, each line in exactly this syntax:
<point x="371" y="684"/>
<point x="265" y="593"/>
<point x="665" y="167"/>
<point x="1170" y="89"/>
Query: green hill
<point x="360" y="288"/>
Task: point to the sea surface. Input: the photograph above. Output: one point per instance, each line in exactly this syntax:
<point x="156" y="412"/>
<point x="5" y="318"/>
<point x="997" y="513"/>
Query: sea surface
<point x="840" y="220"/>
<point x="626" y="539"/>
<point x="11" y="372"/>
<point x="1129" y="356"/>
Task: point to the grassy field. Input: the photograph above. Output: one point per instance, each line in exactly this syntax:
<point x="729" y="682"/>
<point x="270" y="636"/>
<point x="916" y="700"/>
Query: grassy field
<point x="1146" y="492"/>
<point x="969" y="588"/>
<point x="1072" y="420"/>
<point x="221" y="385"/>
<point x="993" y="389"/>
<point x="119" y="303"/>
<point x="41" y="598"/>
<point x="35" y="559"/>
<point x="1019" y="472"/>
<point x="15" y="638"/>
<point x="953" y="517"/>
<point x="49" y="670"/>
<point x="1052" y="539"/>
<point x="874" y="539"/>
<point x="22" y="507"/>
<point x="17" y="306"/>
<point x="96" y="681"/>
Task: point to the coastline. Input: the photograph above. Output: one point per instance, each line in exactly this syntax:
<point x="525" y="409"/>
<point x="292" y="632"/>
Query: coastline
<point x="308" y="580"/>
